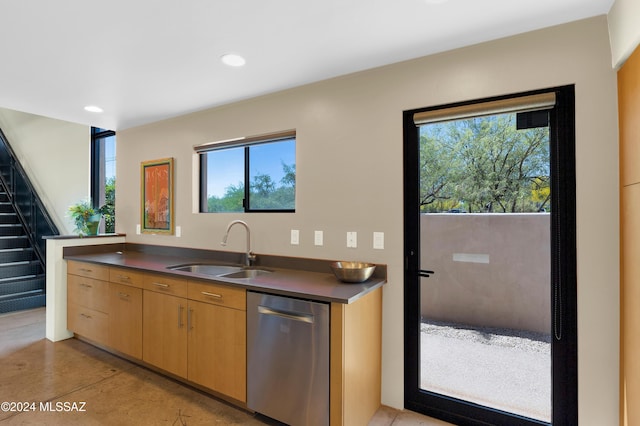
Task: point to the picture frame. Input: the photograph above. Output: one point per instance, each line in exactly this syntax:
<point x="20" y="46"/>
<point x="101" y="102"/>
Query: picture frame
<point x="156" y="206"/>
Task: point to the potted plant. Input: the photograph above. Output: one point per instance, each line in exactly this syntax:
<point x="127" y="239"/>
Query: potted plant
<point x="85" y="217"/>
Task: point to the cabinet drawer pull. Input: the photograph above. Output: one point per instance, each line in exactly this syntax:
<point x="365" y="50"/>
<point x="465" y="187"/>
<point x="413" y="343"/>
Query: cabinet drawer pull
<point x="86" y="285"/>
<point x="163" y="285"/>
<point x="86" y="316"/>
<point x="124" y="277"/>
<point x="206" y="293"/>
<point x="123" y="294"/>
<point x="86" y="270"/>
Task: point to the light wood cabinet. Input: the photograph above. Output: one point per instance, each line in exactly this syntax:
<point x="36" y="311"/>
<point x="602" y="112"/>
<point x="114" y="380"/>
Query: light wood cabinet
<point x="125" y="319"/>
<point x="196" y="330"/>
<point x="356" y="360"/>
<point x="87" y="301"/>
<point x="126" y="277"/>
<point x="164" y="324"/>
<point x="217" y="339"/>
<point x="202" y="340"/>
<point x="125" y="311"/>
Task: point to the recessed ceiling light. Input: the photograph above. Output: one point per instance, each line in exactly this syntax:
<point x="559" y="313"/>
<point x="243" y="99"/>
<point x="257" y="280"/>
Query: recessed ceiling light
<point x="93" y="108"/>
<point x="233" y="60"/>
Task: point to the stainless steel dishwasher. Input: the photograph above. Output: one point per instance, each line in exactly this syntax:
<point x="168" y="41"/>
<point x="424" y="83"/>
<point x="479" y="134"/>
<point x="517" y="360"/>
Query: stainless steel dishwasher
<point x="288" y="359"/>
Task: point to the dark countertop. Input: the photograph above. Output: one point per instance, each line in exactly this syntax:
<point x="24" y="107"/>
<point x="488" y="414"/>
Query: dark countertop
<point x="287" y="281"/>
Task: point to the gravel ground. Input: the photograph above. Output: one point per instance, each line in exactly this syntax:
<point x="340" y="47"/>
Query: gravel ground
<point x="500" y="368"/>
<point x="508" y="338"/>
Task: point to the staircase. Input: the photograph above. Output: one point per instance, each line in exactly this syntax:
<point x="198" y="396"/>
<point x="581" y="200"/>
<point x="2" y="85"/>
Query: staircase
<point x="22" y="278"/>
<point x="24" y="222"/>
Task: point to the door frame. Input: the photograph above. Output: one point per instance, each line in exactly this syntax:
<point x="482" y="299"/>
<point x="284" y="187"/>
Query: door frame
<point x="563" y="294"/>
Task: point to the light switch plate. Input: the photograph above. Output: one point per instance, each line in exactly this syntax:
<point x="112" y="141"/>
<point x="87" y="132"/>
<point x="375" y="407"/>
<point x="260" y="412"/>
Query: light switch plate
<point x="295" y="237"/>
<point x="178" y="231"/>
<point x="352" y="239"/>
<point x="138" y="229"/>
<point x="378" y="240"/>
<point x="318" y="238"/>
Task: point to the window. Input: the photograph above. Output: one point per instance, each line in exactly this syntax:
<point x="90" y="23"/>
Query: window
<point x="103" y="175"/>
<point x="256" y="174"/>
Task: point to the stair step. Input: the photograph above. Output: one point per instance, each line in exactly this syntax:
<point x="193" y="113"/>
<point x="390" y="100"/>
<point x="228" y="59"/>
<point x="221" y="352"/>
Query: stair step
<point x="6" y="207"/>
<point x="8" y="218"/>
<point x="22" y="303"/>
<point x="19" y="269"/>
<point x="22" y="285"/>
<point x="16" y="255"/>
<point x="4" y="197"/>
<point x="11" y="229"/>
<point x="13" y="241"/>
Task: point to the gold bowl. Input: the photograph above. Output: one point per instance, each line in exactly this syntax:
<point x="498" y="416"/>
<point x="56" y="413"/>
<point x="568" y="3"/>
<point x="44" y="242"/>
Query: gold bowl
<point x="352" y="272"/>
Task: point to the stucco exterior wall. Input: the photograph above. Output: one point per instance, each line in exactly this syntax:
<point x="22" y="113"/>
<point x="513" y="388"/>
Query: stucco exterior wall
<point x="491" y="270"/>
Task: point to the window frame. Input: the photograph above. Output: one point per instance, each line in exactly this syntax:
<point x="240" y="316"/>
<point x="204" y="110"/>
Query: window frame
<point x="98" y="175"/>
<point x="246" y="143"/>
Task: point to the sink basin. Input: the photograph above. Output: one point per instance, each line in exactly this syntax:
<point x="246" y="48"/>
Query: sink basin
<point x="245" y="273"/>
<point x="206" y="269"/>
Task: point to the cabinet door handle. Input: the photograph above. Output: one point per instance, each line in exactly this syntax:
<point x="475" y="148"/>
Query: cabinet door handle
<point x="206" y="293"/>
<point x="180" y="309"/>
<point x="163" y="285"/>
<point x="189" y="323"/>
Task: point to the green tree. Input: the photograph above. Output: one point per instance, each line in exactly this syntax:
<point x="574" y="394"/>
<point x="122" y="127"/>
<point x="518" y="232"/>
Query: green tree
<point x="266" y="194"/>
<point x="484" y="164"/>
<point x="108" y="210"/>
<point x="231" y="201"/>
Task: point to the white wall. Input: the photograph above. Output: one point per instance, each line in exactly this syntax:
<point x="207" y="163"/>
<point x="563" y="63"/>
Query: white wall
<point x="55" y="155"/>
<point x="349" y="164"/>
<point x="624" y="30"/>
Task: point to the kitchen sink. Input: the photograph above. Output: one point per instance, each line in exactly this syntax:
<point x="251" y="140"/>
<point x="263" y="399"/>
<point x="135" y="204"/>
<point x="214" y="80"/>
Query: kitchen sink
<point x="222" y="271"/>
<point x="245" y="273"/>
<point x="206" y="269"/>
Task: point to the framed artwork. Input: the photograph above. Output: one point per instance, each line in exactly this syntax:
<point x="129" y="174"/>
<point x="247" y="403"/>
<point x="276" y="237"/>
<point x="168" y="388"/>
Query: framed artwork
<point x="157" y="196"/>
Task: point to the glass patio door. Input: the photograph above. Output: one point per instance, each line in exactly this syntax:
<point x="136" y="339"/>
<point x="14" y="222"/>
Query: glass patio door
<point x="480" y="271"/>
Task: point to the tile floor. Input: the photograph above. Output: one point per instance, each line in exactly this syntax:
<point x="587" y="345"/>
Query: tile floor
<point x="73" y="383"/>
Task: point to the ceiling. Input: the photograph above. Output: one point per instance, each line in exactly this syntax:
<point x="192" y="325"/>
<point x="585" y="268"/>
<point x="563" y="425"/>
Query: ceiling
<point x="146" y="60"/>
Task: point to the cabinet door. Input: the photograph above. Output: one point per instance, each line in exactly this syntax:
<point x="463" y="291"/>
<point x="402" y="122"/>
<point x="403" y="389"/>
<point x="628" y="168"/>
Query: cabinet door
<point x="125" y="319"/>
<point x="217" y="349"/>
<point x="164" y="332"/>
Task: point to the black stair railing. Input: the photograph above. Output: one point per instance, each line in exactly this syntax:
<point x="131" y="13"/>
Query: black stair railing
<point x="27" y="204"/>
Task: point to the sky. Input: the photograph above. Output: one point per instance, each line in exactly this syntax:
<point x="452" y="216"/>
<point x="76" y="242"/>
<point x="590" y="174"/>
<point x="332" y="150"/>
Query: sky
<point x="226" y="167"/>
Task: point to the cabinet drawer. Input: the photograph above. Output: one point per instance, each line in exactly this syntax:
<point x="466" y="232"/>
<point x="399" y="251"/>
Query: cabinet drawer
<point x="87" y="292"/>
<point x="88" y="270"/>
<point x="88" y="323"/>
<point x="126" y="276"/>
<point x="223" y="295"/>
<point x="165" y="284"/>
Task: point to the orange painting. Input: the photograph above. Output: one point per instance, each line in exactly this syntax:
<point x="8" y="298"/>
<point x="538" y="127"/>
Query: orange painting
<point x="157" y="196"/>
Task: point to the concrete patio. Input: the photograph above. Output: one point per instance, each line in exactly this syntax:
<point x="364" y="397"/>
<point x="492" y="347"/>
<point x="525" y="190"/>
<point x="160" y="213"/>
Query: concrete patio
<point x="500" y="368"/>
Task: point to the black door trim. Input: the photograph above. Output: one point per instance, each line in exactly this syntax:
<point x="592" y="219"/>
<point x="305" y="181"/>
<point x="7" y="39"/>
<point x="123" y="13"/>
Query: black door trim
<point x="563" y="272"/>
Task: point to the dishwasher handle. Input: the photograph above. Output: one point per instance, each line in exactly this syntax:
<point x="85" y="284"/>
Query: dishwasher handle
<point x="295" y="316"/>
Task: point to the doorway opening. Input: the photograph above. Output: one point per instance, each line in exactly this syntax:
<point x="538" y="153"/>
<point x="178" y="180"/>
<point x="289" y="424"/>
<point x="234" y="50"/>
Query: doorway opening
<point x="490" y="291"/>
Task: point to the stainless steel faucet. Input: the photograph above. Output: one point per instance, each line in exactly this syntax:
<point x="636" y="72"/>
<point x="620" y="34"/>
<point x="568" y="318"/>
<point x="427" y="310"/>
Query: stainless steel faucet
<point x="250" y="256"/>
